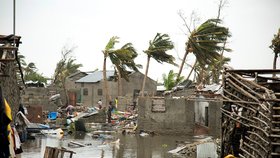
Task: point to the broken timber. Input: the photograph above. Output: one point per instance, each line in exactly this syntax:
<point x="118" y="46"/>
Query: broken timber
<point x="251" y="113"/>
<point x="52" y="152"/>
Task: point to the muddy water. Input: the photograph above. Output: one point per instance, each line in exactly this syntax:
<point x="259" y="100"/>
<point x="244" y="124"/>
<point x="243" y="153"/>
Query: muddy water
<point x="130" y="146"/>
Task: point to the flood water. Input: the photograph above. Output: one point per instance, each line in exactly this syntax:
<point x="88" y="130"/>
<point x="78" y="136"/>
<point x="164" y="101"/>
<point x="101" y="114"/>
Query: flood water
<point x="129" y="146"/>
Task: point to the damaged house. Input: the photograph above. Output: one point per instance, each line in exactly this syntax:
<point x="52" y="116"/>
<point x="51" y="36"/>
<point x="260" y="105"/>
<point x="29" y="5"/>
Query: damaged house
<point x="184" y="110"/>
<point x="251" y="113"/>
<point x="91" y="86"/>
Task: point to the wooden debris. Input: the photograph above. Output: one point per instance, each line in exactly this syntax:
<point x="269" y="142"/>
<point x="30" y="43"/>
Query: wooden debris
<point x="53" y="152"/>
<point x="251" y="113"/>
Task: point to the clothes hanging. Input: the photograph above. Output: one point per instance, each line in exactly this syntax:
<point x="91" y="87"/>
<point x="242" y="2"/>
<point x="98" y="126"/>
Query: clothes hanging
<point x="16" y="141"/>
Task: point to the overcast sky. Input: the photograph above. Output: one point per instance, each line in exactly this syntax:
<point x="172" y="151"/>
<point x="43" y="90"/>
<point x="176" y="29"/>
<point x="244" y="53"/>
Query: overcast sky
<point x="47" y="26"/>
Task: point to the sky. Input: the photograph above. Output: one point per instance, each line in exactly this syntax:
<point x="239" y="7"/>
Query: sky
<point x="48" y="26"/>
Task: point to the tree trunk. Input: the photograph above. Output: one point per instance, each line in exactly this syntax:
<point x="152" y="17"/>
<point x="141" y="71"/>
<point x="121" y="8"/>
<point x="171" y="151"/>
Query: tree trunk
<point x="119" y="83"/>
<point x="10" y="87"/>
<point x="65" y="92"/>
<point x="105" y="85"/>
<point x="191" y="70"/>
<point x="183" y="62"/>
<point x="274" y="63"/>
<point x="146" y="74"/>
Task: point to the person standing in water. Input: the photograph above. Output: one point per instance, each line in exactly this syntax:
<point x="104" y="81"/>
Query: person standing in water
<point x="109" y="111"/>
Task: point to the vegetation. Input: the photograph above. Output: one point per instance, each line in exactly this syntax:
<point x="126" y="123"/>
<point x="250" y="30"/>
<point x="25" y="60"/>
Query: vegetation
<point x="30" y="71"/>
<point x="275" y="46"/>
<point x="122" y="59"/>
<point x="169" y="81"/>
<point x="157" y="50"/>
<point x="65" y="67"/>
<point x="211" y="73"/>
<point x="205" y="43"/>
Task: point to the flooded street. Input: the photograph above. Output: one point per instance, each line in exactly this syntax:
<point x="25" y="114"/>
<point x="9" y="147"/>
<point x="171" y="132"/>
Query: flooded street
<point x="129" y="146"/>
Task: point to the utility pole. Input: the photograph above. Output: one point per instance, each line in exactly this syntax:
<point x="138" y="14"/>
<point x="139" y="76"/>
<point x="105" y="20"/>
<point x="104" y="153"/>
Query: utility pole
<point x="14" y="19"/>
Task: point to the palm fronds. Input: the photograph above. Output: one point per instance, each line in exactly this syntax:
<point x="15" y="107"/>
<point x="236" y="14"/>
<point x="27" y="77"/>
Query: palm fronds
<point x="158" y="47"/>
<point x="207" y="41"/>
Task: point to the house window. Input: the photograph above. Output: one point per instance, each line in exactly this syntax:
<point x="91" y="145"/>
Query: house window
<point x="136" y="92"/>
<point x="85" y="91"/>
<point x="82" y="84"/>
<point x="99" y="92"/>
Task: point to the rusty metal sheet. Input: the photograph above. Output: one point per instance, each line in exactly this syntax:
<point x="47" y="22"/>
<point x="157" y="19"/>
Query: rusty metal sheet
<point x="35" y="113"/>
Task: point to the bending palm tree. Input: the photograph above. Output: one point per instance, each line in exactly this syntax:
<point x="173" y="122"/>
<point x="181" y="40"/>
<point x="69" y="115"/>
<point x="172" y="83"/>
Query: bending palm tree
<point x="157" y="50"/>
<point x="205" y="42"/>
<point x="65" y="67"/>
<point x="121" y="58"/>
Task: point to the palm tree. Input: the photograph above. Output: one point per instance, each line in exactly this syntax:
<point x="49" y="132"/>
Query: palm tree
<point x="122" y="59"/>
<point x="210" y="73"/>
<point x="205" y="43"/>
<point x="169" y="81"/>
<point x="108" y="49"/>
<point x="30" y="71"/>
<point x="275" y="46"/>
<point x="65" y="67"/>
<point x="29" y="68"/>
<point x="157" y="50"/>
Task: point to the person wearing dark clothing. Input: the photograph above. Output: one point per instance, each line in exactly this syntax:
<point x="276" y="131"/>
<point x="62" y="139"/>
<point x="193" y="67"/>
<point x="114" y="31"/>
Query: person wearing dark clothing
<point x="21" y="108"/>
<point x="109" y="112"/>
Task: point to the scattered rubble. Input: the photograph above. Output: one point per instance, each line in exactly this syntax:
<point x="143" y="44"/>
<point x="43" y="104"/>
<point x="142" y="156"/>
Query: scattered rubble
<point x="206" y="147"/>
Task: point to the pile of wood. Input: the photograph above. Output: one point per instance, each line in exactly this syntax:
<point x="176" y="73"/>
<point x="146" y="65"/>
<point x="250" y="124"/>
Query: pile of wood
<point x="251" y="113"/>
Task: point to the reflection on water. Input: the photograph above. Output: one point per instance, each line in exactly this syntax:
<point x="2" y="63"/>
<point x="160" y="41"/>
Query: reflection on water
<point x="129" y="146"/>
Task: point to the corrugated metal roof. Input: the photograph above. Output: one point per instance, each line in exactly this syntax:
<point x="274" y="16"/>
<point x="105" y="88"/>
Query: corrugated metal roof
<point x="95" y="77"/>
<point x="161" y="88"/>
<point x="76" y="73"/>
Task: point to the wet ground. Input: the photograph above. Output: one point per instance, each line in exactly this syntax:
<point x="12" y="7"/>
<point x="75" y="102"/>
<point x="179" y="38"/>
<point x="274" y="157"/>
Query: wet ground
<point x="129" y="146"/>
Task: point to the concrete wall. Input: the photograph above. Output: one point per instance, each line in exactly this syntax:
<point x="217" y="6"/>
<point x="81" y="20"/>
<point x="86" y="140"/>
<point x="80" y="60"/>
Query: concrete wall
<point x="124" y="102"/>
<point x="135" y="83"/>
<point x="178" y="117"/>
<point x="92" y="97"/>
<point x="33" y="96"/>
<point x="97" y="118"/>
<point x="70" y="81"/>
<point x="214" y="118"/>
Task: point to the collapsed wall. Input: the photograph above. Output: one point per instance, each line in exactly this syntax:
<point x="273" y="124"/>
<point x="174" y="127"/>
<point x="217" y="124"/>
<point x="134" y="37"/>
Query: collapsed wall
<point x="166" y="115"/>
<point x="177" y="116"/>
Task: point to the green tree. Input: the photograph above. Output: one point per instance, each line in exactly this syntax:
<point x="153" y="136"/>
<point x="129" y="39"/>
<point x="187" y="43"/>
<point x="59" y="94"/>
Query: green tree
<point x="169" y="81"/>
<point x="65" y="67"/>
<point x="205" y="43"/>
<point x="122" y="59"/>
<point x="30" y="71"/>
<point x="275" y="46"/>
<point x="36" y="77"/>
<point x="157" y="50"/>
